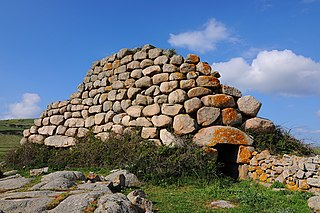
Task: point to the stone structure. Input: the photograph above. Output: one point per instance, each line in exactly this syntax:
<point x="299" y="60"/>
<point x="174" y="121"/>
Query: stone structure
<point x="156" y="90"/>
<point x="295" y="172"/>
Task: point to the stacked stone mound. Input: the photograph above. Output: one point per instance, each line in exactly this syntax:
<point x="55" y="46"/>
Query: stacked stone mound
<point x="154" y="89"/>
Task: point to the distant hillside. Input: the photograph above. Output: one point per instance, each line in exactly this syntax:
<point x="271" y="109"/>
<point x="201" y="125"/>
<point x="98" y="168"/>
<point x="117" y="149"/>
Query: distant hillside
<point x="14" y="126"/>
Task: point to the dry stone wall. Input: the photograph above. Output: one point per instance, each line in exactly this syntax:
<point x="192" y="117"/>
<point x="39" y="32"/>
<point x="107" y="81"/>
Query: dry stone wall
<point x="156" y="90"/>
<point x="293" y="171"/>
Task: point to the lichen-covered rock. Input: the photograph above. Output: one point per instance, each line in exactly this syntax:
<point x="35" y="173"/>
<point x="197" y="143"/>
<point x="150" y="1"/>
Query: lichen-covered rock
<point x="60" y="141"/>
<point x="213" y="135"/>
<point x="230" y="117"/>
<point x="192" y="105"/>
<point x="218" y="100"/>
<point x="171" y="109"/>
<point x="199" y="92"/>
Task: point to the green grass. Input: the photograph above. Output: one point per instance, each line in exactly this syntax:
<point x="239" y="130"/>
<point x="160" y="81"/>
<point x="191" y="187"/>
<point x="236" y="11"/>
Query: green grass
<point x="8" y="142"/>
<point x="248" y="197"/>
<point x="317" y="150"/>
<point x="15" y="126"/>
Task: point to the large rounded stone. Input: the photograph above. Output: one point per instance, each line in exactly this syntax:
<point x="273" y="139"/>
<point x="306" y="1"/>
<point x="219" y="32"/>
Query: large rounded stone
<point x="249" y="105"/>
<point x="259" y="125"/>
<point x="184" y="124"/>
<point x="151" y="70"/>
<point x="151" y="110"/>
<point x="59" y="141"/>
<point x="161" y="120"/>
<point x="134" y="111"/>
<point x="177" y="96"/>
<point x="169" y="139"/>
<point x="214" y="135"/>
<point x="314" y="203"/>
<point x="219" y="100"/>
<point x="192" y="105"/>
<point x="143" y="82"/>
<point x="56" y="119"/>
<point x="167" y="87"/>
<point x="231" y="117"/>
<point x="207" y="115"/>
<point x="204" y="68"/>
<point x="172" y="110"/>
<point x="199" y="92"/>
<point x="208" y="81"/>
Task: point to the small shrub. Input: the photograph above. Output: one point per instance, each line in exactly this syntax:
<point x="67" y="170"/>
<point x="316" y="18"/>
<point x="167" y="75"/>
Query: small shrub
<point x="281" y="141"/>
<point x="159" y="164"/>
<point x="278" y="185"/>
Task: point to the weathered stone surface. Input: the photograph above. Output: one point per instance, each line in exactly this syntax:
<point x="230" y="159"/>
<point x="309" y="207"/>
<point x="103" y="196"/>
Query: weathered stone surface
<point x="74" y="122"/>
<point x="130" y="180"/>
<point x="192" y="59"/>
<point x="143" y="100"/>
<point x="13" y="182"/>
<point x="314" y="182"/>
<point x="168" y="139"/>
<point x="176" y="60"/>
<point x="142" y="121"/>
<point x="207" y="81"/>
<point x="154" y="53"/>
<point x="171" y="110"/>
<point x="187" y="84"/>
<point x="143" y="82"/>
<point x="134" y="111"/>
<point x="199" y="92"/>
<point x="160" y="99"/>
<point x="160" y="60"/>
<point x="177" y="96"/>
<point x="222" y="204"/>
<point x="99" y="118"/>
<point x="34" y="205"/>
<point x="36" y="139"/>
<point x="71" y="132"/>
<point x="161" y="120"/>
<point x="153" y="91"/>
<point x="151" y="110"/>
<point x="60" y="141"/>
<point x="149" y="132"/>
<point x="207" y="115"/>
<point x="159" y="78"/>
<point x="167" y="87"/>
<point x="139" y="199"/>
<point x="218" y="100"/>
<point x="231" y="117"/>
<point x="186" y="68"/>
<point x="184" y="124"/>
<point x="95" y="109"/>
<point x="314" y="204"/>
<point x="259" y="125"/>
<point x="117" y="107"/>
<point x="249" y="105"/>
<point x="213" y="135"/>
<point x="169" y="68"/>
<point x="244" y="154"/>
<point x="56" y="119"/>
<point x="176" y="76"/>
<point x="117" y="202"/>
<point x="204" y="68"/>
<point x="137" y="73"/>
<point x="146" y="63"/>
<point x="151" y="70"/>
<point x="228" y="90"/>
<point x="192" y="105"/>
<point x="46" y="130"/>
<point x="132" y="92"/>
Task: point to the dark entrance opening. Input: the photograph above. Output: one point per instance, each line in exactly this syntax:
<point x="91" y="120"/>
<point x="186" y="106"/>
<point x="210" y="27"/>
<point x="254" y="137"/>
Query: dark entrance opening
<point x="227" y="155"/>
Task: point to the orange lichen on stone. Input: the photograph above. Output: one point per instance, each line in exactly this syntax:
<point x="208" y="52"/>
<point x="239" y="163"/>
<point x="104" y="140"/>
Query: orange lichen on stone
<point x="292" y="187"/>
<point x="192" y="58"/>
<point x="255" y="176"/>
<point x="244" y="154"/>
<point x="107" y="66"/>
<point x="229" y="136"/>
<point x="263" y="177"/>
<point x="116" y="64"/>
<point x="108" y="88"/>
<point x="303" y="185"/>
<point x="231" y="117"/>
<point x="218" y="100"/>
<point x="259" y="171"/>
<point x="204" y="68"/>
<point x="208" y="81"/>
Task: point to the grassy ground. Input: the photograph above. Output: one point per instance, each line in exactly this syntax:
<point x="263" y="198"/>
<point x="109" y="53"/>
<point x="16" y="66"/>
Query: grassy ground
<point x="7" y="142"/>
<point x="14" y="126"/>
<point x="317" y="150"/>
<point x="247" y="196"/>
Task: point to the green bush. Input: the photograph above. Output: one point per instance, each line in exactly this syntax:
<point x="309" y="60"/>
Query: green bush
<point x="159" y="164"/>
<point x="281" y="141"/>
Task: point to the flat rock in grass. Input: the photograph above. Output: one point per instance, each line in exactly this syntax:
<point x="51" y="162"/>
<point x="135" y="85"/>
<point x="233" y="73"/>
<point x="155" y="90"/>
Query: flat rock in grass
<point x="115" y="203"/>
<point x="70" y="175"/>
<point x="314" y="204"/>
<point x="13" y="182"/>
<point x="76" y="202"/>
<point x="59" y="183"/>
<point x="221" y="204"/>
<point x="97" y="186"/>
<point x="34" y="205"/>
<point x="213" y="135"/>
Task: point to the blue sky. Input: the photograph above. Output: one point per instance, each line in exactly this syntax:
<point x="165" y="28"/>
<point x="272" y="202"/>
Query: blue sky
<point x="269" y="49"/>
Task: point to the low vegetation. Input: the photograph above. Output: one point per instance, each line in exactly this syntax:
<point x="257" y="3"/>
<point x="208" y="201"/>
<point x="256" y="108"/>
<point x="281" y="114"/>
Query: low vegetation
<point x="142" y="157"/>
<point x="280" y="142"/>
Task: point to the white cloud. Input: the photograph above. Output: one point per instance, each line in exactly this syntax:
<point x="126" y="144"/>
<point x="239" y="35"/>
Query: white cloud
<point x="281" y="72"/>
<point x="202" y="40"/>
<point x="26" y="108"/>
<point x="302" y="130"/>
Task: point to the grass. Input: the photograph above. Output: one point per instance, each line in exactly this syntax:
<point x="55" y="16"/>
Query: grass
<point x="247" y="196"/>
<point x="15" y="126"/>
<point x="317" y="150"/>
<point x="8" y="142"/>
